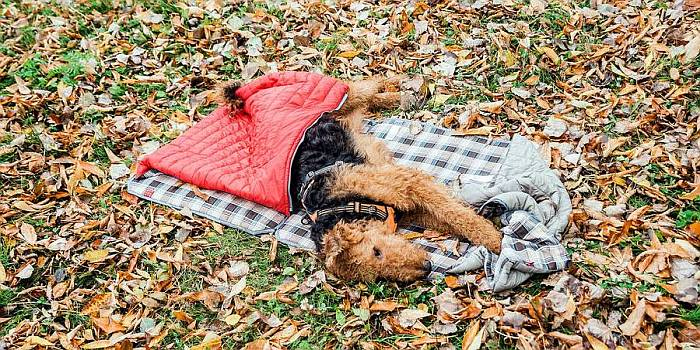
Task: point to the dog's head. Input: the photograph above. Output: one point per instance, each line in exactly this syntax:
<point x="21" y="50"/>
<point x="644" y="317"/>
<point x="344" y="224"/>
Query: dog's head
<point x="365" y="250"/>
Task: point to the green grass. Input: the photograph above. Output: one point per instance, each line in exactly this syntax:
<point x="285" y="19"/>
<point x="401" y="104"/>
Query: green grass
<point x="27" y="36"/>
<point x="236" y="244"/>
<point x="189" y="281"/>
<point x="5" y="254"/>
<point x="99" y="154"/>
<point x="327" y="44"/>
<point x="117" y="91"/>
<point x="638" y="200"/>
<point x="101" y="6"/>
<point x="18" y="315"/>
<point x="145" y="90"/>
<point x="689" y="214"/>
<point x="691" y="315"/>
<point x="6" y="296"/>
<point x="74" y="67"/>
<point x="31" y="72"/>
<point x="91" y="116"/>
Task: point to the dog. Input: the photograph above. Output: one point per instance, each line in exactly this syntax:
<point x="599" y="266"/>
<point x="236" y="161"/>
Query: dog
<point x="353" y="194"/>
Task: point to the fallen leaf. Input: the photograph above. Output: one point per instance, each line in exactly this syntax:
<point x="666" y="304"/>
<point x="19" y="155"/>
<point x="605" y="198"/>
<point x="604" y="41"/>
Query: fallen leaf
<point x="232" y="319"/>
<point x="28" y="233"/>
<point x="25" y="271"/>
<point x="473" y="336"/>
<point x="34" y="340"/>
<point x="383" y="306"/>
<point x="349" y="54"/>
<point x="408" y="317"/>
<point x="595" y="343"/>
<point x="94" y="256"/>
<point x="634" y="320"/>
<point x="96" y="303"/>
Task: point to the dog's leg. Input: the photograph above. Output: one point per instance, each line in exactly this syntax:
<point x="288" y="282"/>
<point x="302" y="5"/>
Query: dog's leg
<point x="386" y="100"/>
<point x="375" y="151"/>
<point x="413" y="191"/>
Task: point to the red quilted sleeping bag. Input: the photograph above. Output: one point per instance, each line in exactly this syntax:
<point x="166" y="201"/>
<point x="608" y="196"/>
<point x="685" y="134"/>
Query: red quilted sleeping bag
<point x="249" y="152"/>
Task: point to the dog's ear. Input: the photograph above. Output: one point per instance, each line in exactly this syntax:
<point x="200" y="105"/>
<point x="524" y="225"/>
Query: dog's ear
<point x="333" y="246"/>
<point x="337" y="242"/>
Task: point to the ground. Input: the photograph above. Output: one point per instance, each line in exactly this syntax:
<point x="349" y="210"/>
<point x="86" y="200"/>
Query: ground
<point x="608" y="90"/>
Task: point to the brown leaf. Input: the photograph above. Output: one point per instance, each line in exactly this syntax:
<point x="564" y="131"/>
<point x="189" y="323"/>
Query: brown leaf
<point x="96" y="303"/>
<point x="634" y="320"/>
<point x="383" y="306"/>
<point x="28" y="233"/>
<point x="181" y="315"/>
<point x="472" y="336"/>
<point x="108" y="325"/>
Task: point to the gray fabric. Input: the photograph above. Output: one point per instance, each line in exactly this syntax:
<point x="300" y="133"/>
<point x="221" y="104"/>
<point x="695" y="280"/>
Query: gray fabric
<point x="504" y="178"/>
<point x="534" y="208"/>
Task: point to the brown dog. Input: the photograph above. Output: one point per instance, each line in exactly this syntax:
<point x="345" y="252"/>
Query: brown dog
<point x="350" y="188"/>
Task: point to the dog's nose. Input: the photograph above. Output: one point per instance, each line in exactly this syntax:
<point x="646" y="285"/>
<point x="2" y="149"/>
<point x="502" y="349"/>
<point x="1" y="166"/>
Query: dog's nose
<point x="427" y="266"/>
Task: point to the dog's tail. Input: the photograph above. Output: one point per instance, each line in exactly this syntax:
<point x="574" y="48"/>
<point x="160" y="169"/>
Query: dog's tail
<point x="227" y="95"/>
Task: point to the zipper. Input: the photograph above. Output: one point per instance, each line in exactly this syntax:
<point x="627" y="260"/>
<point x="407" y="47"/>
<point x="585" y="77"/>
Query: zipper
<point x="296" y="149"/>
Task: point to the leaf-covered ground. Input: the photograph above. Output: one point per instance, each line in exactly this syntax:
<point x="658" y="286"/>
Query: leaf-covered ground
<point x="611" y="92"/>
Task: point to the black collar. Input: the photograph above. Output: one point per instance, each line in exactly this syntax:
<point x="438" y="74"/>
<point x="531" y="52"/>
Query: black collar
<point x="310" y="178"/>
<point x="373" y="211"/>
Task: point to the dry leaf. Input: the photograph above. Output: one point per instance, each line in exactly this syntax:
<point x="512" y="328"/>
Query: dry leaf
<point x="472" y="336"/>
<point x="94" y="256"/>
<point x="383" y="306"/>
<point x="96" y="303"/>
<point x="634" y="320"/>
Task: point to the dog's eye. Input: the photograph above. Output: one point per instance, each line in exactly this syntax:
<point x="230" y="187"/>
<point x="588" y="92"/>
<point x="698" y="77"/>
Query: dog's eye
<point x="377" y="253"/>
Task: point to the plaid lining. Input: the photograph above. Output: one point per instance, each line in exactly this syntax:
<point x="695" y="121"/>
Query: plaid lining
<point x="218" y="206"/>
<point x="451" y="159"/>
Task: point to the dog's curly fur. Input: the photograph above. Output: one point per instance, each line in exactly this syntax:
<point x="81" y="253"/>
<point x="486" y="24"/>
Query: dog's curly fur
<point x="355" y="246"/>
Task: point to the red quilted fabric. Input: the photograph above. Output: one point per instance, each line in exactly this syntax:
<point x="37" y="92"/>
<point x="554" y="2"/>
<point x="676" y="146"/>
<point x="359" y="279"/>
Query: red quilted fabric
<point x="249" y="152"/>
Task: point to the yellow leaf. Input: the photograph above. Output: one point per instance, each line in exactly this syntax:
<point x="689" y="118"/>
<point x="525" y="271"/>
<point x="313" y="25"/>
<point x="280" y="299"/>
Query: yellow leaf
<point x="679" y="92"/>
<point x="349" y="54"/>
<point x="472" y="337"/>
<point x="34" y="340"/>
<point x="551" y="54"/>
<point x="232" y="320"/>
<point x="211" y="341"/>
<point x="94" y="256"/>
<point x="3" y="274"/>
<point x="595" y="343"/>
<point x="693" y="194"/>
<point x="440" y="99"/>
